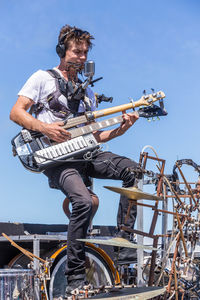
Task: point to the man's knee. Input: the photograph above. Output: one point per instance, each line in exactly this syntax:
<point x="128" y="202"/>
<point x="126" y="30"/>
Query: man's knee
<point x="95" y="204"/>
<point x="81" y="204"/>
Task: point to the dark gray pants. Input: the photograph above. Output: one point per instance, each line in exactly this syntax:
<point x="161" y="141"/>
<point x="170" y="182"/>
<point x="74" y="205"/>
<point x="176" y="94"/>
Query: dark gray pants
<point x="69" y="179"/>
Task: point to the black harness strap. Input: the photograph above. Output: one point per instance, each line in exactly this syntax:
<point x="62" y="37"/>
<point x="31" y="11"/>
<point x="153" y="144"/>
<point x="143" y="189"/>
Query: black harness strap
<point x="55" y="106"/>
<point x="66" y="89"/>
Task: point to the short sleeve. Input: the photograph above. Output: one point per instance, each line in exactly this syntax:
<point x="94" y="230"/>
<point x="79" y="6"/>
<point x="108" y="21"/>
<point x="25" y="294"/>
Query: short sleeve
<point x="33" y="86"/>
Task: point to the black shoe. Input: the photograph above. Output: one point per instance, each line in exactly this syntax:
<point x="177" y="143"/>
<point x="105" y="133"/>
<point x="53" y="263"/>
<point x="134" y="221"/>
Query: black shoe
<point x="76" y="284"/>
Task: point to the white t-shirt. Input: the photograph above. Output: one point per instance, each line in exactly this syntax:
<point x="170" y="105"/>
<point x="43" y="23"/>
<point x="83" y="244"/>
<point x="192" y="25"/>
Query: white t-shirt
<point x="40" y="85"/>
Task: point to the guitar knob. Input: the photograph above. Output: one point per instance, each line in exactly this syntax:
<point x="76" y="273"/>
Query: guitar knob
<point x="148" y="120"/>
<point x="153" y="119"/>
<point x="158" y="118"/>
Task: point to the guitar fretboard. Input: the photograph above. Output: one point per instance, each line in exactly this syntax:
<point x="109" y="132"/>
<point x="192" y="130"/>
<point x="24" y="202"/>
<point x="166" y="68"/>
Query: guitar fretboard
<point x="95" y="126"/>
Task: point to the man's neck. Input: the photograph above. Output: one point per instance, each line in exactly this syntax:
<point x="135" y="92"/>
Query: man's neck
<point x="69" y="74"/>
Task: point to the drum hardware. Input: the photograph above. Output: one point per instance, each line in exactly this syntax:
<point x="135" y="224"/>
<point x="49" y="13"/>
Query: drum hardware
<point x="100" y="270"/>
<point x="178" y="280"/>
<point x="16" y="292"/>
<point x="16" y="284"/>
<point x="117" y="242"/>
<point x="119" y="292"/>
<point x="188" y="187"/>
<point x="192" y="225"/>
<point x="133" y="193"/>
<point x="127" y="292"/>
<point x="183" y="214"/>
<point x="83" y="293"/>
<point x="43" y="271"/>
<point x="183" y="277"/>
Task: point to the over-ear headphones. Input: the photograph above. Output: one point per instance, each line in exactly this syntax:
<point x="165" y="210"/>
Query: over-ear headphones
<point x="60" y="48"/>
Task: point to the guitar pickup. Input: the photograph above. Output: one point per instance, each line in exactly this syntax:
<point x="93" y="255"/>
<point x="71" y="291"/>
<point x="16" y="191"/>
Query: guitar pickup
<point x="26" y="136"/>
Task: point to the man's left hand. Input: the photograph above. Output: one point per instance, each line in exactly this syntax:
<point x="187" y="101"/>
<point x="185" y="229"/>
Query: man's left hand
<point x="128" y="120"/>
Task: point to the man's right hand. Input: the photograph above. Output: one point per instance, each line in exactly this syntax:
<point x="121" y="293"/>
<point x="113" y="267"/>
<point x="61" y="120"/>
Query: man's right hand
<point x="20" y="116"/>
<point x="55" y="132"/>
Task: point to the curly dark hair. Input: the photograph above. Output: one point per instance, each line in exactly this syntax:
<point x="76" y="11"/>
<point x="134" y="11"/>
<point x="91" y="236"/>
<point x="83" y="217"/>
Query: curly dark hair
<point x="69" y="33"/>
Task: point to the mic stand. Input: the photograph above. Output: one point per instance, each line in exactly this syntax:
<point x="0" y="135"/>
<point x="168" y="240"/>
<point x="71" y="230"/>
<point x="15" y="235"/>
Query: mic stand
<point x="80" y="90"/>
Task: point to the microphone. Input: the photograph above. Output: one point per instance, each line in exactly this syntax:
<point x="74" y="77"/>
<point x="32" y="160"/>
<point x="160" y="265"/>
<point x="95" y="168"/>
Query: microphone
<point x="89" y="68"/>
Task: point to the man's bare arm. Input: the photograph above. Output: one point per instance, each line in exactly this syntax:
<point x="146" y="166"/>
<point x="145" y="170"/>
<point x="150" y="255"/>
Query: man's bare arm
<point x="20" y="116"/>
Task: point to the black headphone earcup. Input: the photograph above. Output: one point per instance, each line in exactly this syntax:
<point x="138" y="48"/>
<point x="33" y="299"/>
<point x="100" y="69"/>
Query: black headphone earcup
<point x="60" y="50"/>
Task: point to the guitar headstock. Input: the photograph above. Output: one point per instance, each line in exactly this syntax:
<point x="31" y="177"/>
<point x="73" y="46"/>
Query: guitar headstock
<point x="152" y="111"/>
<point x="149" y="99"/>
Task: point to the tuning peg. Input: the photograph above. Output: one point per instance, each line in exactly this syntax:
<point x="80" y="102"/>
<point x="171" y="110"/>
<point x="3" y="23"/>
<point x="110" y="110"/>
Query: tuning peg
<point x="153" y="93"/>
<point x="161" y="104"/>
<point x="131" y="100"/>
<point x="145" y="95"/>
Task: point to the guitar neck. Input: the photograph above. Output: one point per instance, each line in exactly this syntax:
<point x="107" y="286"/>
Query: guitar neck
<point x="143" y="101"/>
<point x="97" y="114"/>
<point x="95" y="126"/>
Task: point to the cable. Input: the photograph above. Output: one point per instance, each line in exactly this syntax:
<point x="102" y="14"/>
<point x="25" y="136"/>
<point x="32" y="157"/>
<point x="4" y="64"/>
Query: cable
<point x="149" y="146"/>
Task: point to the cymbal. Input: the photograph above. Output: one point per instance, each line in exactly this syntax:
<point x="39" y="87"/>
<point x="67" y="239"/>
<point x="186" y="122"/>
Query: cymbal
<point x="118" y="242"/>
<point x="137" y="293"/>
<point x="133" y="193"/>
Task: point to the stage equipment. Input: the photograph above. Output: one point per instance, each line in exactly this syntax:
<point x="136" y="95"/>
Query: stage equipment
<point x="89" y="68"/>
<point x="16" y="284"/>
<point x="118" y="242"/>
<point x="133" y="193"/>
<point x="136" y="293"/>
<point x="100" y="269"/>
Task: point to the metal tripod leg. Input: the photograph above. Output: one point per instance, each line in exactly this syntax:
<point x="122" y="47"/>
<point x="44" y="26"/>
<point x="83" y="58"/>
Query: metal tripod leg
<point x="36" y="251"/>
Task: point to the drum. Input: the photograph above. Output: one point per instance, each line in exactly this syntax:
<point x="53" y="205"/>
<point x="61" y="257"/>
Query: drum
<point x="16" y="284"/>
<point x="99" y="268"/>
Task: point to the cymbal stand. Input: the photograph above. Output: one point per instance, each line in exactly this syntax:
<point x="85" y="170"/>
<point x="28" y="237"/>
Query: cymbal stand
<point x="142" y="162"/>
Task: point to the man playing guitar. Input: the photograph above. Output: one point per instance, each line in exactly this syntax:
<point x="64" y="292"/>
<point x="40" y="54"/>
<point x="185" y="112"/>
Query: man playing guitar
<point x="51" y="110"/>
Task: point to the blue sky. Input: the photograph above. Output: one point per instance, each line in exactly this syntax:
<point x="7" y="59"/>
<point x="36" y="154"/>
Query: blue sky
<point x="138" y="45"/>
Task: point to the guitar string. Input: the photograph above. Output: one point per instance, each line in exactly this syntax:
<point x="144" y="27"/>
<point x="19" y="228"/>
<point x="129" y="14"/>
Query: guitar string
<point x="158" y="97"/>
<point x="38" y="134"/>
